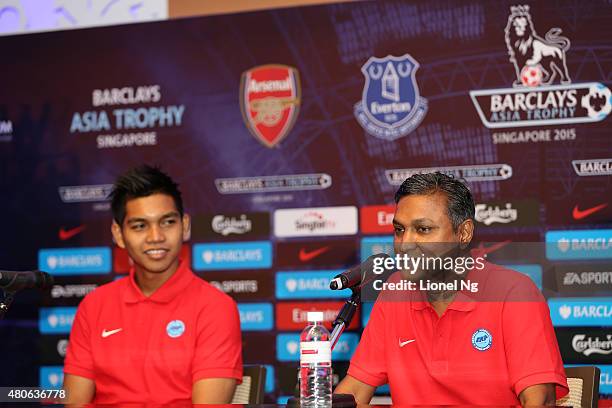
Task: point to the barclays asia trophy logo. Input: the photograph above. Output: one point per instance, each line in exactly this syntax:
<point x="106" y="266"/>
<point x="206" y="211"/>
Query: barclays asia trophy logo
<point x="391" y="105"/>
<point x="534" y="100"/>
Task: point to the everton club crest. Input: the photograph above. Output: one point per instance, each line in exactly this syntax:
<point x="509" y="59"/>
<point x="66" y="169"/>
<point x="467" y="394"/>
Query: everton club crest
<point x="391" y="106"/>
<point x="270" y="101"/>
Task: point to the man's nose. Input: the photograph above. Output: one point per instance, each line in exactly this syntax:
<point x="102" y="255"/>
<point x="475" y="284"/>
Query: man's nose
<point x="407" y="241"/>
<point x="155" y="234"/>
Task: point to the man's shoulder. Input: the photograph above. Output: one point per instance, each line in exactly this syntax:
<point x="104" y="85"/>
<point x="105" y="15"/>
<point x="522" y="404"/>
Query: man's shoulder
<point x="101" y="296"/>
<point x="107" y="290"/>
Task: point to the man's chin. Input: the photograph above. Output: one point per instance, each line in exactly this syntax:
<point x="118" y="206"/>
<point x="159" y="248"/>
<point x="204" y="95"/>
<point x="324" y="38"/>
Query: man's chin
<point x="155" y="267"/>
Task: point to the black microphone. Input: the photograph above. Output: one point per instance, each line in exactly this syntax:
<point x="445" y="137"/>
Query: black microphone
<point x="358" y="275"/>
<point x="14" y="281"/>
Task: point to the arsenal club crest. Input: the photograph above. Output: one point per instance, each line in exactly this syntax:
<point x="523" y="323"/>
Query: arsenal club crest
<point x="270" y="100"/>
<point x="391" y="106"/>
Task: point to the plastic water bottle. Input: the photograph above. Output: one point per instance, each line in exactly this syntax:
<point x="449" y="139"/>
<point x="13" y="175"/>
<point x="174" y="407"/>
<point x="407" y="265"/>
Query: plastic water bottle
<point x="315" y="364"/>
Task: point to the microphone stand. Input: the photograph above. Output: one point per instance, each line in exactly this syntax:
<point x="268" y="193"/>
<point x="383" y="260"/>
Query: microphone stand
<point x="9" y="296"/>
<point x="345" y="316"/>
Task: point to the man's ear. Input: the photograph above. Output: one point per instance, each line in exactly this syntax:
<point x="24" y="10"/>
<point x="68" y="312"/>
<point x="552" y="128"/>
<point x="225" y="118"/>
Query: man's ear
<point x="117" y="235"/>
<point x="186" y="227"/>
<point x="466" y="232"/>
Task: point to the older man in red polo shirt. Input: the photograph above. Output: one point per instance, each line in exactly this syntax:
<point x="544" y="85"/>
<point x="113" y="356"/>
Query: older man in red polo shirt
<point x="161" y="335"/>
<point x="453" y="347"/>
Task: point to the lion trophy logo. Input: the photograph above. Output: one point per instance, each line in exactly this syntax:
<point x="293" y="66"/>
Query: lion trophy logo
<point x="537" y="61"/>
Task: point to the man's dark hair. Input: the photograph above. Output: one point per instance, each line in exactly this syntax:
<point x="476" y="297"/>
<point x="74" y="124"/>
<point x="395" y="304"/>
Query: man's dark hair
<point x="459" y="198"/>
<point x="142" y="181"/>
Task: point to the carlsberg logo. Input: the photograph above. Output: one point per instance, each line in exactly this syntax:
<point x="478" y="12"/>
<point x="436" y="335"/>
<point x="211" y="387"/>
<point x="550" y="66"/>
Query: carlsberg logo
<point x="588" y="346"/>
<point x="488" y="214"/>
<point x="230" y="225"/>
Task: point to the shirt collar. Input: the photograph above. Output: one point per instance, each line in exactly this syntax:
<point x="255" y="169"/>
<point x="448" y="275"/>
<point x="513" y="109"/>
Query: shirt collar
<point x="178" y="282"/>
<point x="464" y="301"/>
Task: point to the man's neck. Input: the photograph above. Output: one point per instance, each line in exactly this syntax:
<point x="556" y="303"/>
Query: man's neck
<point x="149" y="282"/>
<point x="440" y="300"/>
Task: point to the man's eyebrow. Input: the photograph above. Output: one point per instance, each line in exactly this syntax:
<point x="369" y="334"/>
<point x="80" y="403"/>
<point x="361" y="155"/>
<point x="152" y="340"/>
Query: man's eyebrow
<point x="170" y="214"/>
<point x="422" y="221"/>
<point x="418" y="221"/>
<point x="136" y="219"/>
<point x="142" y="219"/>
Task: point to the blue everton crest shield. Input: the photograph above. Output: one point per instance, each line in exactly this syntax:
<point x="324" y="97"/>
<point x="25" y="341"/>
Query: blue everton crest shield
<point x="391" y="106"/>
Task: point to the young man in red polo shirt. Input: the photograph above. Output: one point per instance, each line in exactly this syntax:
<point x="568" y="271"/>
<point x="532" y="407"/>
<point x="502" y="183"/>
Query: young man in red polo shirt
<point x="161" y="335"/>
<point x="445" y="347"/>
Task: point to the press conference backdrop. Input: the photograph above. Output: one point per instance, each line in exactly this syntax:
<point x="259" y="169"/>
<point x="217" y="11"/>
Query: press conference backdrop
<point x="289" y="132"/>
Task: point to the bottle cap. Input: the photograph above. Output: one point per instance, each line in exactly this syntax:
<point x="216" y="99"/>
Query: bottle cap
<point x="314" y="316"/>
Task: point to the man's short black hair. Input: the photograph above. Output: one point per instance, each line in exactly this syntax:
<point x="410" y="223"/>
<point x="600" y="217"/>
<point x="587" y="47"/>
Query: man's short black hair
<point x="459" y="198"/>
<point x="142" y="181"/>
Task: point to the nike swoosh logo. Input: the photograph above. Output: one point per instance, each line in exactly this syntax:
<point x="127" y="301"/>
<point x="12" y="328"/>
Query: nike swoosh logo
<point x="578" y="214"/>
<point x="492" y="248"/>
<point x="67" y="234"/>
<point x="307" y="256"/>
<point x="403" y="343"/>
<point x="106" y="333"/>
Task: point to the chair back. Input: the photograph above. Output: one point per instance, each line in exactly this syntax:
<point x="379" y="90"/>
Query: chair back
<point x="583" y="383"/>
<point x="251" y="391"/>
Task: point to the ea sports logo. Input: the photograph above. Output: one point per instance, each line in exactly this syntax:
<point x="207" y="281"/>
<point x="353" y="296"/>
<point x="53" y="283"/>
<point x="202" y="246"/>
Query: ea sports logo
<point x="531" y="75"/>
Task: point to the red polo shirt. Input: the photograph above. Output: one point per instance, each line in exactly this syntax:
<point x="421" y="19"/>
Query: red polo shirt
<point x="484" y="350"/>
<point x="153" y="349"/>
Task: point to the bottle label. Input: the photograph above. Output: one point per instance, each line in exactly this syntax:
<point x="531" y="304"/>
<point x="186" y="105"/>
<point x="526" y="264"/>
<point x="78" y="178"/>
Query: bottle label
<point x="312" y="352"/>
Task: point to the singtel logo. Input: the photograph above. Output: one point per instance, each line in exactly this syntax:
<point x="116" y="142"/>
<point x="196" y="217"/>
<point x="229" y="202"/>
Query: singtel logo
<point x="313" y="221"/>
<point x="488" y="214"/>
<point x="230" y="225"/>
<point x="588" y="346"/>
